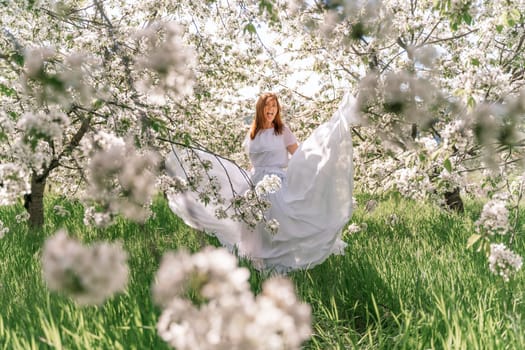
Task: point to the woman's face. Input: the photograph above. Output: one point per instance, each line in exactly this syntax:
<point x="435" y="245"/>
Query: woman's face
<point x="270" y="110"/>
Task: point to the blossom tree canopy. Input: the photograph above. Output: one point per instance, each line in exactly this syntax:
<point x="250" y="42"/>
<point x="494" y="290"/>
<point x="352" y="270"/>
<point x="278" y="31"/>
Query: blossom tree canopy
<point x="95" y="93"/>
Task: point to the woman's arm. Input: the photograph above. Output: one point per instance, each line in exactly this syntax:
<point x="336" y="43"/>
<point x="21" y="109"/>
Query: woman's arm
<point x="292" y="148"/>
<point x="290" y="140"/>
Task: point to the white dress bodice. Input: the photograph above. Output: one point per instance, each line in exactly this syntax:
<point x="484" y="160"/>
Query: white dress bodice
<point x="268" y="152"/>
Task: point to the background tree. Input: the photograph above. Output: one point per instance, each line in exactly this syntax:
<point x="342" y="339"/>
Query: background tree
<point x="87" y="82"/>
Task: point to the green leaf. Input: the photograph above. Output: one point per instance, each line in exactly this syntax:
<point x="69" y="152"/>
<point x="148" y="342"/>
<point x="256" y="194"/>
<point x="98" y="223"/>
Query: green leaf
<point x="471" y="102"/>
<point x="157" y="125"/>
<point x="98" y="103"/>
<point x="53" y="81"/>
<point x="499" y="28"/>
<point x="515" y="13"/>
<point x="6" y="90"/>
<point x="475" y="62"/>
<point x="448" y="165"/>
<point x="472" y="240"/>
<point x="250" y="28"/>
<point x="467" y="18"/>
<point x="18" y="58"/>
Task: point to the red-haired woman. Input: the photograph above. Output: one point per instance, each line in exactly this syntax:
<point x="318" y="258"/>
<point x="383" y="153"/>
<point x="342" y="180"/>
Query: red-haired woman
<point x="269" y="142"/>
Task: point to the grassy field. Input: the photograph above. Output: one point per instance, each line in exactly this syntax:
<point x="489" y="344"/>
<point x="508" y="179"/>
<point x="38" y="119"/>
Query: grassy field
<point x="410" y="284"/>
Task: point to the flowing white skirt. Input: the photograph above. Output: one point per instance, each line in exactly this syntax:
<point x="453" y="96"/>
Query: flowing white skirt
<point x="312" y="206"/>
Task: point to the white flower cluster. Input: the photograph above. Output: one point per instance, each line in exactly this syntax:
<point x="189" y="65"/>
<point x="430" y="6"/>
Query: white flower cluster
<point x="207" y="304"/>
<point x="169" y="58"/>
<point x="92" y="217"/>
<point x="43" y="125"/>
<point x="61" y="211"/>
<point x="412" y="182"/>
<point x="198" y="176"/>
<point x="3" y="229"/>
<point x="34" y="59"/>
<point x="456" y="134"/>
<point x="428" y="143"/>
<point x="171" y="184"/>
<point x="22" y="217"/>
<point x="272" y="226"/>
<point x="353" y="228"/>
<point x="503" y="262"/>
<point x="269" y="184"/>
<point x="448" y="181"/>
<point x="39" y="135"/>
<point x="14" y="183"/>
<point x="494" y="218"/>
<point x="121" y="179"/>
<point x="400" y="94"/>
<point x="249" y="208"/>
<point x="67" y="71"/>
<point x="89" y="275"/>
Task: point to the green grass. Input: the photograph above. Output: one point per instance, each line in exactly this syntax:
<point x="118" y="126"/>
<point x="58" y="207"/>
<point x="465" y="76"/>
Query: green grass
<point x="411" y="285"/>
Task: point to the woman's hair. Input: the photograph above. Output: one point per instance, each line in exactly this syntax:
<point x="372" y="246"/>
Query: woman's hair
<point x="258" y="121"/>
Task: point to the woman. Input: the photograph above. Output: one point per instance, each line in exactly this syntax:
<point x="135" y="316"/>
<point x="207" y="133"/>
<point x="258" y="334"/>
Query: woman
<point x="312" y="206"/>
<point x="269" y="141"/>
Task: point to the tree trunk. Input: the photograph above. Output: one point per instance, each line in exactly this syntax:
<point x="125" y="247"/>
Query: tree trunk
<point x="34" y="201"/>
<point x="453" y="200"/>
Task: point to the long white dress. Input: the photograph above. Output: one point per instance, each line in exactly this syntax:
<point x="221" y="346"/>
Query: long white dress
<point x="312" y="206"/>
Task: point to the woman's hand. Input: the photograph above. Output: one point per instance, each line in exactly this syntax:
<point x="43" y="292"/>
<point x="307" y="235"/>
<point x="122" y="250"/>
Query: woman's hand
<point x="292" y="148"/>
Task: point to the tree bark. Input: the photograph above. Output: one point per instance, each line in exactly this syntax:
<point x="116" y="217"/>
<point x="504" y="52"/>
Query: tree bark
<point x="453" y="200"/>
<point x="34" y="201"/>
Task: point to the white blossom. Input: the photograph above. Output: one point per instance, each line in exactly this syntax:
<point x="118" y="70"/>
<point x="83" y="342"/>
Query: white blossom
<point x="35" y="58"/>
<point x="353" y="228"/>
<point x="169" y="57"/>
<point x="97" y="219"/>
<point x="494" y="218"/>
<point x="14" y="183"/>
<point x="61" y="211"/>
<point x="209" y="273"/>
<point x="269" y="184"/>
<point x="121" y="178"/>
<point x="22" y="217"/>
<point x="503" y="262"/>
<point x="89" y="275"/>
<point x="272" y="226"/>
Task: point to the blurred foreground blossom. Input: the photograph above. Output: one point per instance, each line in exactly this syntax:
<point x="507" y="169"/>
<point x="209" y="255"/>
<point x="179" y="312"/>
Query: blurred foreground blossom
<point x="121" y="177"/>
<point x="207" y="304"/>
<point x="503" y="262"/>
<point x="168" y="57"/>
<point x="89" y="275"/>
